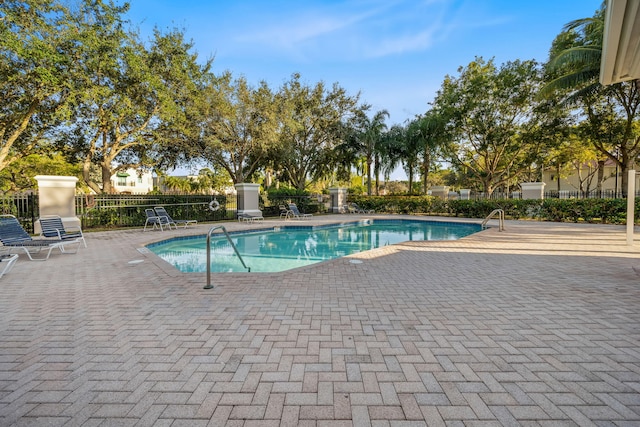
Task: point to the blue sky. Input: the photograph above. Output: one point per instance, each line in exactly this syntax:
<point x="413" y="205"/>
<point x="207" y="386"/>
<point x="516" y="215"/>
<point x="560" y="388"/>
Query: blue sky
<point x="396" y="53"/>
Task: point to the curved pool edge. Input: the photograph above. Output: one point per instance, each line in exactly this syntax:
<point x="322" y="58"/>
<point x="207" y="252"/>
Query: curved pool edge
<point x="280" y="225"/>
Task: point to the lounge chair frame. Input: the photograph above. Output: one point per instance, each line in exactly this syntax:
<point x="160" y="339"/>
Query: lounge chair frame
<point x="52" y="226"/>
<point x="6" y="263"/>
<point x="354" y="208"/>
<point x="249" y="218"/>
<point x="285" y="212"/>
<point x="160" y="211"/>
<point x="13" y="236"/>
<point x="296" y="214"/>
<point x="155" y="220"/>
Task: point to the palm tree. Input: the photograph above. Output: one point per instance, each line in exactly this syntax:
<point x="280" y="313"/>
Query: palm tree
<point x="575" y="58"/>
<point x="386" y="159"/>
<point x="404" y="147"/>
<point x="363" y="137"/>
<point x="431" y="134"/>
<point x="573" y="72"/>
<point x="412" y="145"/>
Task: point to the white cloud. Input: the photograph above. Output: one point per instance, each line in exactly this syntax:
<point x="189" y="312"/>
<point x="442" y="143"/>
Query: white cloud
<point x="350" y="31"/>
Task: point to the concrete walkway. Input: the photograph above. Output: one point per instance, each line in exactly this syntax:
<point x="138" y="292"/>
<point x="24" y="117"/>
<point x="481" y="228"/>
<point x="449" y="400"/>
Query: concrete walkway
<point x="538" y="325"/>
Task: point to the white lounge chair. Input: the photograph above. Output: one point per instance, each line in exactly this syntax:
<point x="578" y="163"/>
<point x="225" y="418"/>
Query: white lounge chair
<point x="250" y="218"/>
<point x="52" y="226"/>
<point x="12" y="235"/>
<point x="295" y="212"/>
<point x="6" y="263"/>
<point x="285" y="212"/>
<point x="354" y="208"/>
<point x="156" y="221"/>
<point x="162" y="212"/>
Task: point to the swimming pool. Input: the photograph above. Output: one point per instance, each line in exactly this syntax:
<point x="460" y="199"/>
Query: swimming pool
<point x="283" y="248"/>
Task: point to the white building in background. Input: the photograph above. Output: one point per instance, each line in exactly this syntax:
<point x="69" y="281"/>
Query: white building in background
<point x="132" y="182"/>
<point x="569" y="181"/>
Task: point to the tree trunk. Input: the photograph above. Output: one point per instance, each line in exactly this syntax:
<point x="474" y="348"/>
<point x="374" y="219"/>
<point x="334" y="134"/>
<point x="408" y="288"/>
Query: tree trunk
<point x="106" y="178"/>
<point x="410" y="181"/>
<point x="600" y="178"/>
<point x="376" y="170"/>
<point x="627" y="165"/>
<point x="488" y="188"/>
<point x="369" y="161"/>
<point x="86" y="176"/>
<point x="5" y="160"/>
<point x="425" y="174"/>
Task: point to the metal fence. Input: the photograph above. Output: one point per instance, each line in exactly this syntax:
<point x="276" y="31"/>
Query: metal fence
<point x="22" y="206"/>
<point x="120" y="210"/>
<point x="270" y="205"/>
<point x="551" y="194"/>
<point x="129" y="210"/>
<point x="104" y="211"/>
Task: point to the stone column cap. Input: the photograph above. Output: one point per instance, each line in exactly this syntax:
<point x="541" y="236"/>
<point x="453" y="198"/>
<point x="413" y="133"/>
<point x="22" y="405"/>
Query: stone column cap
<point x="56" y="181"/>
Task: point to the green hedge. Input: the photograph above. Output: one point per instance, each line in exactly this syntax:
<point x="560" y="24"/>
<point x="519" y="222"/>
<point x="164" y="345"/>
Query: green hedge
<point x="283" y="196"/>
<point x="605" y="211"/>
<point x="113" y="211"/>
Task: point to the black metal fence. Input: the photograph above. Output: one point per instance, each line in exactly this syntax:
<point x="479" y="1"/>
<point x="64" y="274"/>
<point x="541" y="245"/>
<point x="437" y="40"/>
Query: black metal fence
<point x="270" y="205"/>
<point x="106" y="211"/>
<point x="119" y="210"/>
<point x="22" y="206"/>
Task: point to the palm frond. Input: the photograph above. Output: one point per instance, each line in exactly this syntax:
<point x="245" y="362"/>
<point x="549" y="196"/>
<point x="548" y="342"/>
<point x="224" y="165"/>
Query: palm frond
<point x="576" y="80"/>
<point x="582" y="24"/>
<point x="586" y="92"/>
<point x="576" y="56"/>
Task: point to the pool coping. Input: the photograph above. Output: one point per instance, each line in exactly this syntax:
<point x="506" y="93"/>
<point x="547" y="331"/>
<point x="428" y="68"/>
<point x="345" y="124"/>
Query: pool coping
<point x="146" y="248"/>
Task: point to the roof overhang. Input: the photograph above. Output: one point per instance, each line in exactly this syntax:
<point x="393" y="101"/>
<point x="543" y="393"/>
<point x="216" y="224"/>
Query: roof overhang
<point x="621" y="44"/>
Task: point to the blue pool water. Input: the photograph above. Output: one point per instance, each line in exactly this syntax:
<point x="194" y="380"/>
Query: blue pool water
<point x="296" y="246"/>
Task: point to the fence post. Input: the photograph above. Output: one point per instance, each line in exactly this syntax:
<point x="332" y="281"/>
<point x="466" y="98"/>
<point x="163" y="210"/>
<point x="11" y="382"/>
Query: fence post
<point x="631" y="200"/>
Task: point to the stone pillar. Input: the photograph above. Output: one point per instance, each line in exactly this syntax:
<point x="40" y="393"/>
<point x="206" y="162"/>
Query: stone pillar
<point x="57" y="196"/>
<point x="248" y="199"/>
<point x="338" y="199"/>
<point x="441" y="191"/>
<point x="532" y="190"/>
<point x="465" y="194"/>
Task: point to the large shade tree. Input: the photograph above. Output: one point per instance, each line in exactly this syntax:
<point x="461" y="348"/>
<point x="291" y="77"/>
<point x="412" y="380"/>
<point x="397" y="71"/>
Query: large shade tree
<point x="125" y="91"/>
<point x="37" y="52"/>
<point x="488" y="109"/>
<point x="239" y="125"/>
<point x="312" y="121"/>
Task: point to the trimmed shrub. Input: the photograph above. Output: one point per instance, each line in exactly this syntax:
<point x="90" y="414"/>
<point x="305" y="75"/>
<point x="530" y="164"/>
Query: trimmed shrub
<point x="605" y="211"/>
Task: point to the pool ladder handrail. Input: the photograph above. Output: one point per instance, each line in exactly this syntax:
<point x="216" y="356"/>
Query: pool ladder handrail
<point x="224" y="230"/>
<point x="493" y="213"/>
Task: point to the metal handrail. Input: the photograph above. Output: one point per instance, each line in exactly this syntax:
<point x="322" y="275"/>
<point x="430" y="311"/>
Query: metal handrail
<point x="224" y="230"/>
<point x="493" y="213"/>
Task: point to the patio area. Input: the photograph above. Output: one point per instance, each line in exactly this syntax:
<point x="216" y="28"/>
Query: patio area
<point x="538" y="325"/>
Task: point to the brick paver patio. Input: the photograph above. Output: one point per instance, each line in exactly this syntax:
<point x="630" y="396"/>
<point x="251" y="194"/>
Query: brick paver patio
<point x="538" y="325"/>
